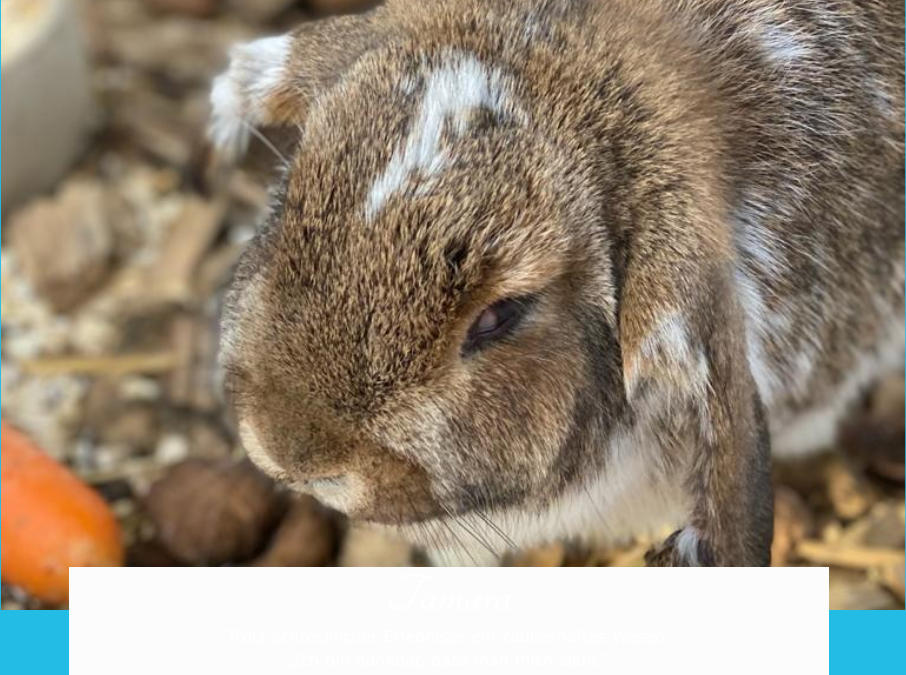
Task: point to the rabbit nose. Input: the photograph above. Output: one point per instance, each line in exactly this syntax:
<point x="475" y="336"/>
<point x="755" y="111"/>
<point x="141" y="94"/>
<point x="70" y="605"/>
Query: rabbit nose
<point x="326" y="482"/>
<point x="340" y="492"/>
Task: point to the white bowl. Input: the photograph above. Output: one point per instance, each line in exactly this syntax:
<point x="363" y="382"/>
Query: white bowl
<point x="47" y="111"/>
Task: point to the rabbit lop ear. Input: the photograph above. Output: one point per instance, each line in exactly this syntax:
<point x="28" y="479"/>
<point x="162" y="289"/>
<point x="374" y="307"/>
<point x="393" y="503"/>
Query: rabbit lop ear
<point x="272" y="81"/>
<point x="683" y="343"/>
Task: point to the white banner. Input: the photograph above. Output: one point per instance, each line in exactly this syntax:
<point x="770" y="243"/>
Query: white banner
<point x="226" y="620"/>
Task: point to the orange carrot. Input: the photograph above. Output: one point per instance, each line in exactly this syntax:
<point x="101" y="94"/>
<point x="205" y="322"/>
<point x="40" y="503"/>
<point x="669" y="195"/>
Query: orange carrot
<point x="49" y="521"/>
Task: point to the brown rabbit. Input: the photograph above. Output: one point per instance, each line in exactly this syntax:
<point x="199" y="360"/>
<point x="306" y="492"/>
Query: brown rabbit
<point x="549" y="268"/>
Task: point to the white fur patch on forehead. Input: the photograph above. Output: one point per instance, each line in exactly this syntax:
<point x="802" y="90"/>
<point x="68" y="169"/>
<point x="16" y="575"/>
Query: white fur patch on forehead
<point x="256" y="71"/>
<point x="783" y="45"/>
<point x="460" y="85"/>
<point x="781" y="39"/>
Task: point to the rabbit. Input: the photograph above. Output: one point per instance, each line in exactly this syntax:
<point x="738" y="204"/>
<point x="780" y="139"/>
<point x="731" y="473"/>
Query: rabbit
<point x="546" y="269"/>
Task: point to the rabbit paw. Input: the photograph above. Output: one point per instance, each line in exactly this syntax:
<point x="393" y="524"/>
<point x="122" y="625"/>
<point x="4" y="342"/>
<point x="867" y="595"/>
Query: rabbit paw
<point x="683" y="548"/>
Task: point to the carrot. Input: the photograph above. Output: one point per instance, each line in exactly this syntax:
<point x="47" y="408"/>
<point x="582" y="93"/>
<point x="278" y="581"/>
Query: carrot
<point x="49" y="521"/>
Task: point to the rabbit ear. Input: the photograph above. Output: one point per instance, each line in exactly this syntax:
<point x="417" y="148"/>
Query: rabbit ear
<point x="683" y="342"/>
<point x="668" y="290"/>
<point x="272" y="81"/>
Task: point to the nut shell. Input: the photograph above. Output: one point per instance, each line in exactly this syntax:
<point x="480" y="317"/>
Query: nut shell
<point x="212" y="512"/>
<point x="306" y="537"/>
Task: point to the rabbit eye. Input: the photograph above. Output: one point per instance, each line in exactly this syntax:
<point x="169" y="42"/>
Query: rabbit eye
<point x="495" y="321"/>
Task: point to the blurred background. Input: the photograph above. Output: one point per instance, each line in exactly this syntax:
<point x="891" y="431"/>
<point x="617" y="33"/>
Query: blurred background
<point x="119" y="234"/>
